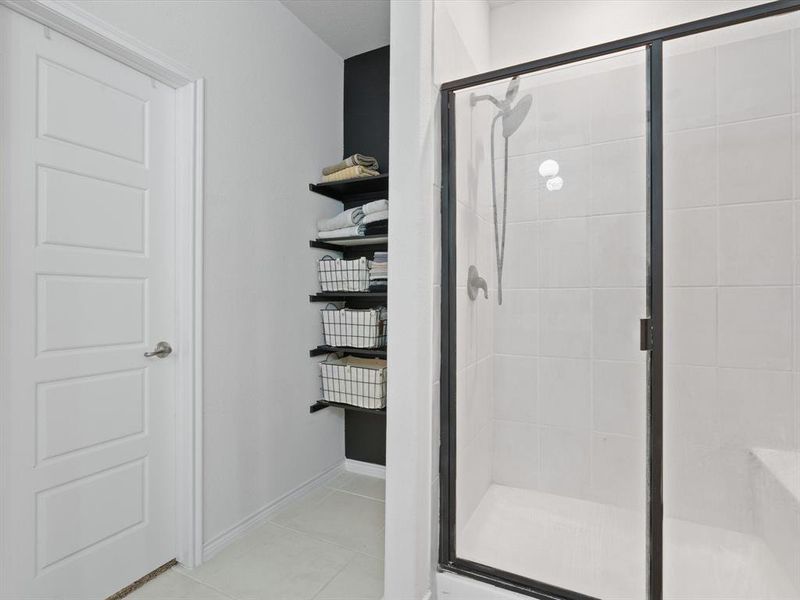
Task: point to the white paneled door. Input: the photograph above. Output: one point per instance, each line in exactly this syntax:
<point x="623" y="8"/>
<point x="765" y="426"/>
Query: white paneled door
<point x="88" y="286"/>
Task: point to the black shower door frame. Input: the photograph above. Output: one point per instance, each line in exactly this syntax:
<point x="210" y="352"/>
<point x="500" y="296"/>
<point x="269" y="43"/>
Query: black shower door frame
<point x="652" y="326"/>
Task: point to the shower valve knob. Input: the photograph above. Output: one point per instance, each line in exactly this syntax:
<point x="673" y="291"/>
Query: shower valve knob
<point x="475" y="282"/>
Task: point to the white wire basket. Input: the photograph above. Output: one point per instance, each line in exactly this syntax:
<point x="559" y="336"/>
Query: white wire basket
<point x="355" y="381"/>
<point x="354" y="327"/>
<point x="339" y="275"/>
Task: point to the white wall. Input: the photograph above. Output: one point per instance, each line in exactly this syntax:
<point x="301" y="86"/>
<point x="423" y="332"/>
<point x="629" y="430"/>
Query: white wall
<point x="461" y="34"/>
<point x="530" y="29"/>
<point x="412" y="453"/>
<point x="273" y="119"/>
<point x="411" y="441"/>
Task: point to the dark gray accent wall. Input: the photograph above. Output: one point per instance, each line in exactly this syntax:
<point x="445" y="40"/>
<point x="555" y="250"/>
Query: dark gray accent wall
<point x="366" y="131"/>
<point x="366" y="105"/>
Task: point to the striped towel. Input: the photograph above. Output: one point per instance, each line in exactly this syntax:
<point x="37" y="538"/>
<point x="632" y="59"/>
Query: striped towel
<point x="369" y="162"/>
<point x="350" y="173"/>
<point x="348" y="218"/>
<point x="375" y="206"/>
<point x="374" y="217"/>
<point x="354" y="231"/>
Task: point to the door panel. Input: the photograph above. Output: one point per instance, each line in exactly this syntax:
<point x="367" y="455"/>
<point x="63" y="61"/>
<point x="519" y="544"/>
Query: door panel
<point x="86" y="212"/>
<point x="77" y="109"/>
<point x="88" y="286"/>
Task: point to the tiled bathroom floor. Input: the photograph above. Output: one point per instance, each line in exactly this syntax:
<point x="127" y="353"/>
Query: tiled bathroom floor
<point x="325" y="546"/>
<point x="598" y="549"/>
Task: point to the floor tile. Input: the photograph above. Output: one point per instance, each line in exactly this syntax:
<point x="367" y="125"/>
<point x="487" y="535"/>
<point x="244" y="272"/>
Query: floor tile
<point x="354" y="522"/>
<point x="173" y="585"/>
<point x="361" y="579"/>
<point x="287" y="566"/>
<point x="363" y="485"/>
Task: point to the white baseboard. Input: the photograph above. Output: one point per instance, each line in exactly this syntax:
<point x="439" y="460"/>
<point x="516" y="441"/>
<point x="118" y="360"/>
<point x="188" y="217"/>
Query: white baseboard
<point x="257" y="518"/>
<point x="364" y="468"/>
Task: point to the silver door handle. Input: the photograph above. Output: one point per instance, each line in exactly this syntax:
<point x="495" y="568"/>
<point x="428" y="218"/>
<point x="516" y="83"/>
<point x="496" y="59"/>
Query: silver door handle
<point x="163" y="350"/>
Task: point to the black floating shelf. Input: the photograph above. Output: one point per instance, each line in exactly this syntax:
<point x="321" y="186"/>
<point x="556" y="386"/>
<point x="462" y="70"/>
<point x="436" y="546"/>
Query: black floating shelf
<point x="341" y="296"/>
<point x="366" y="352"/>
<point x="339" y="243"/>
<point x="320" y="404"/>
<point x="350" y="189"/>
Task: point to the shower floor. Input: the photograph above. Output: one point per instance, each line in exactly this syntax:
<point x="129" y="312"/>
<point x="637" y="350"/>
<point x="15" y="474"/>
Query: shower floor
<point x="598" y="549"/>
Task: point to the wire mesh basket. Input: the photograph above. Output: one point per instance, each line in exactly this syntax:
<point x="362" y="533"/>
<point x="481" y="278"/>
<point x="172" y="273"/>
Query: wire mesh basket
<point x="339" y="275"/>
<point x="354" y="327"/>
<point x="356" y="381"/>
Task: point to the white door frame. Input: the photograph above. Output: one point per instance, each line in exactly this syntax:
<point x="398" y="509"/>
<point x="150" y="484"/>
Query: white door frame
<point x="76" y="23"/>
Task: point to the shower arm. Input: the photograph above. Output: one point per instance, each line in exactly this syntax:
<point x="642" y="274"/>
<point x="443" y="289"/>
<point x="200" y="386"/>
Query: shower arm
<point x="475" y="98"/>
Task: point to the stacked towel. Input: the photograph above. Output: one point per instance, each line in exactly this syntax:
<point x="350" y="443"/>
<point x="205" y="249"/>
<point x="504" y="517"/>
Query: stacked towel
<point x="350" y="173"/>
<point x="376" y="217"/>
<point x="344" y="232"/>
<point x="370" y="219"/>
<point x="375" y="206"/>
<point x="348" y="218"/>
<point x="370" y="162"/>
<point x="352" y="167"/>
<point x="379" y="272"/>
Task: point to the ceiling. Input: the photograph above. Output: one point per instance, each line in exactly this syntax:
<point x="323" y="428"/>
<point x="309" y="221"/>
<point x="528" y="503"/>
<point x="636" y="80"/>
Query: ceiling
<point x="349" y="27"/>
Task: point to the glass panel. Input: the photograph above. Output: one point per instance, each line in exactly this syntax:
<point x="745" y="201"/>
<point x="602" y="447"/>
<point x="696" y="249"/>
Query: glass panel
<point x="551" y="274"/>
<point x="731" y="428"/>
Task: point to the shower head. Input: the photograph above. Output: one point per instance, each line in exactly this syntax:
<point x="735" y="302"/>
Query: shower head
<point x="511" y="91"/>
<point x="513" y="117"/>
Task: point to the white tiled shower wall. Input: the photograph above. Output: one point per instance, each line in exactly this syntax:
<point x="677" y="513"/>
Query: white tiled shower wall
<point x="474" y="363"/>
<point x="732" y="304"/>
<point x="569" y="379"/>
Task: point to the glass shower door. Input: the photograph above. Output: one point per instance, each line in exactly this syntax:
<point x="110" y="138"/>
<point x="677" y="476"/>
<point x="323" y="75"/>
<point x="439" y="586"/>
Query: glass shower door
<point x="731" y="313"/>
<point x="551" y="275"/>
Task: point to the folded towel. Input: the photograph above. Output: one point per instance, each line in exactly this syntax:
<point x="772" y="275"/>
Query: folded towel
<point x="354" y="231"/>
<point x="375" y="217"/>
<point x="375" y="206"/>
<point x="377" y="228"/>
<point x="348" y="218"/>
<point x="349" y="173"/>
<point x="351" y="161"/>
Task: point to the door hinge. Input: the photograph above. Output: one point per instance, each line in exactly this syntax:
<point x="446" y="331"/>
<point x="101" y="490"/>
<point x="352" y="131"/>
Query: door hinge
<point x="645" y="335"/>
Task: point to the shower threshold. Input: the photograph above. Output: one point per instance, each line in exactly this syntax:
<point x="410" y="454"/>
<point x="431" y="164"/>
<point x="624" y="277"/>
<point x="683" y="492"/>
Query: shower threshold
<point x="598" y="549"/>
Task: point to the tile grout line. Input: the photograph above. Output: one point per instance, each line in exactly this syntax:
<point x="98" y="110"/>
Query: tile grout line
<point x="339" y="572"/>
<point x="381" y="500"/>
<point x="185" y="573"/>
<point x="321" y="539"/>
